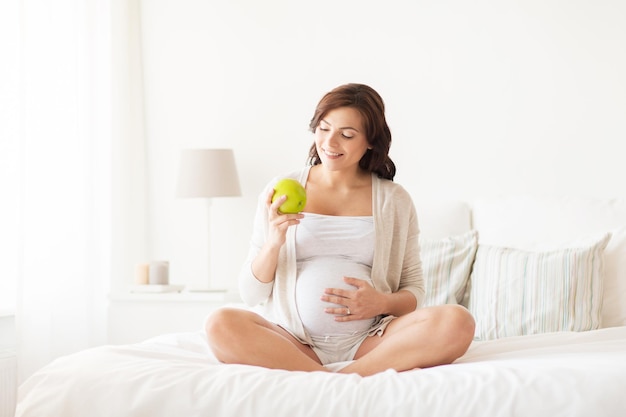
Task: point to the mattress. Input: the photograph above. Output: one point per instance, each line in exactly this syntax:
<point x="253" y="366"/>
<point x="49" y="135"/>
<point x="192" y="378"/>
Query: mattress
<point x="555" y="374"/>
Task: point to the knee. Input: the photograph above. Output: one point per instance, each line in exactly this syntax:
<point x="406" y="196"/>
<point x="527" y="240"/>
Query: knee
<point x="459" y="327"/>
<point x="224" y="323"/>
<point x="452" y="327"/>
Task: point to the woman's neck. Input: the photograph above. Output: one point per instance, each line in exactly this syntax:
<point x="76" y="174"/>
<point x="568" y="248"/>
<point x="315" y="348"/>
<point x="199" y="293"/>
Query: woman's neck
<point x="341" y="179"/>
<point x="339" y="193"/>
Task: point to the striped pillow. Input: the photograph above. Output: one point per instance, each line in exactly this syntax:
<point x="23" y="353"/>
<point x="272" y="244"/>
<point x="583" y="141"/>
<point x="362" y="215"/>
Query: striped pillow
<point x="446" y="265"/>
<point x="515" y="292"/>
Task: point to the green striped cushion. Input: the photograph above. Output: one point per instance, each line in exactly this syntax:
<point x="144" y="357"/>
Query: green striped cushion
<point x="446" y="264"/>
<point x="515" y="292"/>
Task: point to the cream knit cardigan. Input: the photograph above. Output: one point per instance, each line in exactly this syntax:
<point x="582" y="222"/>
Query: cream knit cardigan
<point x="396" y="266"/>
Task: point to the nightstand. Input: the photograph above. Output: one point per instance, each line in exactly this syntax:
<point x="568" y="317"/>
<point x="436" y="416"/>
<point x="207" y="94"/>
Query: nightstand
<point x="134" y="317"/>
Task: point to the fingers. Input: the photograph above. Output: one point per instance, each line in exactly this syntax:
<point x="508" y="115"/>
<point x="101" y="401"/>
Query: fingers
<point x="285" y="219"/>
<point x="340" y="294"/>
<point x="344" y="313"/>
<point x="339" y="311"/>
<point x="278" y="217"/>
<point x="270" y="194"/>
<point x="355" y="282"/>
<point x="273" y="207"/>
<point x="350" y="304"/>
<point x="279" y="222"/>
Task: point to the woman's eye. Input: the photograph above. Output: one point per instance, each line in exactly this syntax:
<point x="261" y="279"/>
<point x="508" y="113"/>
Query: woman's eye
<point x="347" y="136"/>
<point x="324" y="129"/>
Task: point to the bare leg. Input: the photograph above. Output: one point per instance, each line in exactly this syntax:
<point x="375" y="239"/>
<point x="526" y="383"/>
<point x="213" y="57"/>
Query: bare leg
<point x="426" y="337"/>
<point x="243" y="337"/>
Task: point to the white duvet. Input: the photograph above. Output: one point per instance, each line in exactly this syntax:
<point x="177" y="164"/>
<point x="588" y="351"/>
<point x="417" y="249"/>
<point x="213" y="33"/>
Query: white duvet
<point x="557" y="374"/>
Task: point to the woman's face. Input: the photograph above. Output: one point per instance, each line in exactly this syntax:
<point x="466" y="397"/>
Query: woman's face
<point x="340" y="139"/>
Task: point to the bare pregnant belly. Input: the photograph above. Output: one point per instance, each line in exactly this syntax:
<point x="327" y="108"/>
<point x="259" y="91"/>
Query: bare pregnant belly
<point x="314" y="276"/>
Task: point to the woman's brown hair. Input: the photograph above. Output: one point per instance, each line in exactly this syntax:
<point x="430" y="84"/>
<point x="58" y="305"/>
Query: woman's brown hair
<point x="372" y="108"/>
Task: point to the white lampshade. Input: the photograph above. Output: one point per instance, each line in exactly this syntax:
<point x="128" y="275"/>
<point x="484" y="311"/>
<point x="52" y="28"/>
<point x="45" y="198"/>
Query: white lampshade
<point x="207" y="173"/>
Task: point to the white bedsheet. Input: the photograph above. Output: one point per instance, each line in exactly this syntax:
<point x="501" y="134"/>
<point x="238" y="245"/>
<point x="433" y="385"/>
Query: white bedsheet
<point x="558" y="374"/>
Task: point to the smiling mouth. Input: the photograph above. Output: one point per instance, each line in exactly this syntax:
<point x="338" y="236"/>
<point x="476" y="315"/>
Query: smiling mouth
<point x="331" y="154"/>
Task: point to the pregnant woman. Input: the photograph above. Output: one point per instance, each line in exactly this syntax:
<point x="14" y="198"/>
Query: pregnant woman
<point x="342" y="281"/>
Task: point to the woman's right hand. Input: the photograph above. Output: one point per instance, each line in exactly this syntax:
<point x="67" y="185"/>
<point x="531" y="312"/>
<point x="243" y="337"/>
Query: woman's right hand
<point x="279" y="222"/>
<point x="264" y="265"/>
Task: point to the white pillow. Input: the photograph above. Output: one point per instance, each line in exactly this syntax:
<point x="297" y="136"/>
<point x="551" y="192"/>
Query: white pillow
<point x="550" y="223"/>
<point x="614" y="303"/>
<point x="516" y="292"/>
<point x="446" y="265"/>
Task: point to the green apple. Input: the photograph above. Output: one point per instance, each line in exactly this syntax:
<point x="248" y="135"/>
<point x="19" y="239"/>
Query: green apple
<point x="296" y="195"/>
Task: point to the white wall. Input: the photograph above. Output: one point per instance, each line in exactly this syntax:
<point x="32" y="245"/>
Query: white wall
<point x="483" y="98"/>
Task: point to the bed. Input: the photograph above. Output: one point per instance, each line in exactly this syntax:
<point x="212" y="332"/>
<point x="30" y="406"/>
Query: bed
<point x="556" y="374"/>
<point x="543" y="352"/>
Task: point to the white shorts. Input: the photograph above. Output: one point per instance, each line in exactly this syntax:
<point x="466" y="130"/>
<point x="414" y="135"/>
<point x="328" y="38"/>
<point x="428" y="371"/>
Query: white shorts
<point x="342" y="348"/>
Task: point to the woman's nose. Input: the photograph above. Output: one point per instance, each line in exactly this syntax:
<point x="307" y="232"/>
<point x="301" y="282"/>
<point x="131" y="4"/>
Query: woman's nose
<point x="332" y="137"/>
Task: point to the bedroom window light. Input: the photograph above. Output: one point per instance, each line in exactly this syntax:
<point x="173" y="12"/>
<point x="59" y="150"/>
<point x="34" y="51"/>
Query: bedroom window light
<point x="9" y="153"/>
<point x="9" y="222"/>
<point x="63" y="171"/>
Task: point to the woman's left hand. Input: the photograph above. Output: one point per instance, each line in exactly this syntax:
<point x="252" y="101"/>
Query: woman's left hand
<point x="364" y="302"/>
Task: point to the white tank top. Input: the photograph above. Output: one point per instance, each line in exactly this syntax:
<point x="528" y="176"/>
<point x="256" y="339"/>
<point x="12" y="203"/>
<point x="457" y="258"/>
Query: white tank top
<point x="327" y="249"/>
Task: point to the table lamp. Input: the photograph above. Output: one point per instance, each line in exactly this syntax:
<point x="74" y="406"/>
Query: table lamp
<point x="208" y="173"/>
